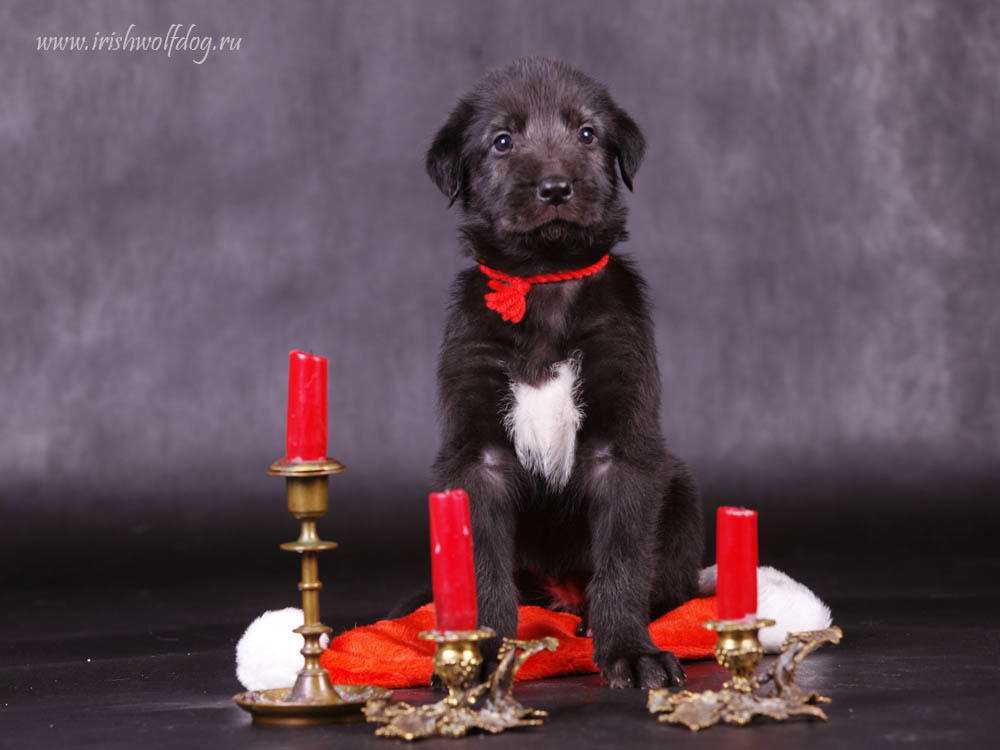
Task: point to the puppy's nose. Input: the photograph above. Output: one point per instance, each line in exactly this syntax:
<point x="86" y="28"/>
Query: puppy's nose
<point x="554" y="190"/>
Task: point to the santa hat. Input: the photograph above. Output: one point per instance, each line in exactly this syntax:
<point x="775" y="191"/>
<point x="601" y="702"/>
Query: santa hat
<point x="389" y="654"/>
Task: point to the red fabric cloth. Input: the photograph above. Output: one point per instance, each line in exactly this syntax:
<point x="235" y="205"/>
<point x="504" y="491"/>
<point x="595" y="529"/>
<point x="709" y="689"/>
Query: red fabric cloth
<point x="389" y="653"/>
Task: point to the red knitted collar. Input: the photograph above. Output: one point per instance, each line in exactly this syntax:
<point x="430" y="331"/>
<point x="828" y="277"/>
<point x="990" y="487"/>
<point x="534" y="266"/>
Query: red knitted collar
<point x="508" y="297"/>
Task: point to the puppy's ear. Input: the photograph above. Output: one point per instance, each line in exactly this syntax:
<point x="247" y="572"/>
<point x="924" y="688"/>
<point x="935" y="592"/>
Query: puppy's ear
<point x="631" y="146"/>
<point x="444" y="157"/>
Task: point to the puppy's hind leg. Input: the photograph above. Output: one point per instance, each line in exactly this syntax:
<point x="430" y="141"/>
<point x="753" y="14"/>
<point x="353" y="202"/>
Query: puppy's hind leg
<point x="410" y="602"/>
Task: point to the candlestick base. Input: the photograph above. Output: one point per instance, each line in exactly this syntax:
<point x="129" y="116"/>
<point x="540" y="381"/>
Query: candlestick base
<point x="345" y="704"/>
<point x="312" y="699"/>
<point x="488" y="706"/>
<point x="738" y="649"/>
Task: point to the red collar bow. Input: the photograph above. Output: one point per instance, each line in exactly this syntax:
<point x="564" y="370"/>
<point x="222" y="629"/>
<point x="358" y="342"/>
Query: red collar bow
<point x="509" y="294"/>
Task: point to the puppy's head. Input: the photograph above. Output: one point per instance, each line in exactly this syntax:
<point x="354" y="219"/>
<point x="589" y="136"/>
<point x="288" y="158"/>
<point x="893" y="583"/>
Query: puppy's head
<point x="533" y="153"/>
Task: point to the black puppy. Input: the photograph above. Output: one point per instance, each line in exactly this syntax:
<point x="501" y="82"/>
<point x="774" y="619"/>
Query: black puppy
<point x="549" y="388"/>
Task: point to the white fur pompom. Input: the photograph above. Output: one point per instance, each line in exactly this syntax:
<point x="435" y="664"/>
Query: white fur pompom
<point x="267" y="656"/>
<point x="792" y="606"/>
<point x="795" y="607"/>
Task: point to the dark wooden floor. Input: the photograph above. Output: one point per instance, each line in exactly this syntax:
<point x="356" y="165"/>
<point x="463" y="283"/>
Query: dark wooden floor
<point x="152" y="667"/>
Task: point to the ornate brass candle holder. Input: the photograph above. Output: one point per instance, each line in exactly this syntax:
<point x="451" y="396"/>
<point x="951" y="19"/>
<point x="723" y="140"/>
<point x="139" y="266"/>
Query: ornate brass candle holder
<point x="312" y="699"/>
<point x="738" y="649"/>
<point x="488" y="706"/>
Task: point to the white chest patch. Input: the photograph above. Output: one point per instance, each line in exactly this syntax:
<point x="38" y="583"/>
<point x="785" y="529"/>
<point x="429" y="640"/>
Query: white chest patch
<point x="543" y="421"/>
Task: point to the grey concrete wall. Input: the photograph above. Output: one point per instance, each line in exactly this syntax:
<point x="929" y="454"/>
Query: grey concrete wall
<point x="817" y="217"/>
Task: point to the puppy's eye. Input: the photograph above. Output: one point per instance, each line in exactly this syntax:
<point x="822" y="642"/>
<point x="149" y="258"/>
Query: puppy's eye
<point x="503" y="142"/>
<point x="587" y="135"/>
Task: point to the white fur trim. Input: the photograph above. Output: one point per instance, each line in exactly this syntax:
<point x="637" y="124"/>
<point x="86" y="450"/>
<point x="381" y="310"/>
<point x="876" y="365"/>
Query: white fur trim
<point x="267" y="656"/>
<point x="543" y="421"/>
<point x="792" y="606"/>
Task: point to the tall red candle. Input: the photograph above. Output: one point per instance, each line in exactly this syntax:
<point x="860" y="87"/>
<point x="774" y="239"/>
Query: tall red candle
<point x="736" y="555"/>
<point x="305" y="435"/>
<point x="452" y="570"/>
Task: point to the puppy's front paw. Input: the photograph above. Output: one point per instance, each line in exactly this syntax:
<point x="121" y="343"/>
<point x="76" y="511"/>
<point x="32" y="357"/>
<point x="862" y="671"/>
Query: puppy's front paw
<point x="647" y="671"/>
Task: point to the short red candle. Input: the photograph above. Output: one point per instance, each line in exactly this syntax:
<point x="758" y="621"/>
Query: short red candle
<point x="305" y="435"/>
<point x="452" y="570"/>
<point x="736" y="555"/>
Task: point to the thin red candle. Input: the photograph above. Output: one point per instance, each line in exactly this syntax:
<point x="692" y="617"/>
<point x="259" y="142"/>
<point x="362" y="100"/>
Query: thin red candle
<point x="452" y="571"/>
<point x="736" y="555"/>
<point x="305" y="435"/>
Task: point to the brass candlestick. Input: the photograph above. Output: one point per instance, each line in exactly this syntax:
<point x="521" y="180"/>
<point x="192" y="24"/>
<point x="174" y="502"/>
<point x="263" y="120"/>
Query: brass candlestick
<point x="738" y="649"/>
<point x="312" y="699"/>
<point x="488" y="706"/>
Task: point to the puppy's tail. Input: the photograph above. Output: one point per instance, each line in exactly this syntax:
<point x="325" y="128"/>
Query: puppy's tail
<point x="792" y="605"/>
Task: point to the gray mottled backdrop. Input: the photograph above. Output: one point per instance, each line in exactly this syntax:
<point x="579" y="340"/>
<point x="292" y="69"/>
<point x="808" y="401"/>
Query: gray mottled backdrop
<point x="817" y="217"/>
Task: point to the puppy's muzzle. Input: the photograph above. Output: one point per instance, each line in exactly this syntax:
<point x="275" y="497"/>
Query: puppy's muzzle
<point x="555" y="190"/>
